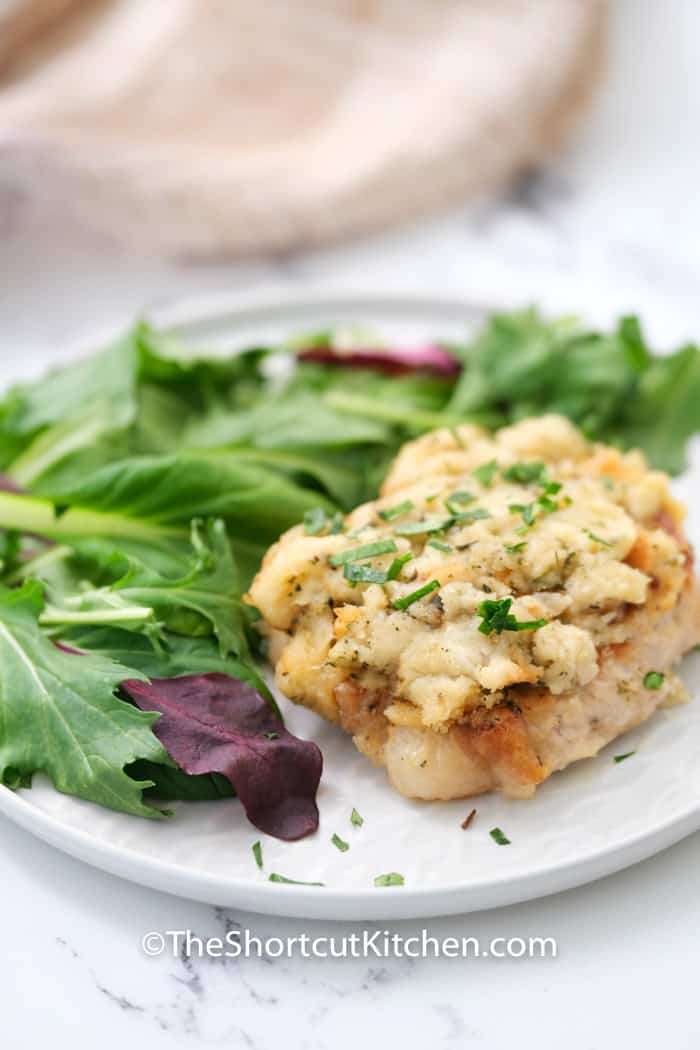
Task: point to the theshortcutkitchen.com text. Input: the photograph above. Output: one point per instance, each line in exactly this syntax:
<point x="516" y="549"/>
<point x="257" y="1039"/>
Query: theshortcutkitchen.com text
<point x="365" y="944"/>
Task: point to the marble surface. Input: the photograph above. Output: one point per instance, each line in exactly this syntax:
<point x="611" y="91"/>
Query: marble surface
<point x="612" y="226"/>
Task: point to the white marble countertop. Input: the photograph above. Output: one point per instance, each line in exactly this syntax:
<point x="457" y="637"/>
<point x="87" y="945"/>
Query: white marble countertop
<point x="611" y="227"/>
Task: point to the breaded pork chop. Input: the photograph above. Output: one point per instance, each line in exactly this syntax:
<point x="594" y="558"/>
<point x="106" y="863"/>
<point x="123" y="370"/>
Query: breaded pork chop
<point x="511" y="603"/>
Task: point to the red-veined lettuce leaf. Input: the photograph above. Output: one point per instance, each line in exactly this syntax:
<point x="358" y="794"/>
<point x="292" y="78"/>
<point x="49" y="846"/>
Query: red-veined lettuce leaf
<point x="214" y="723"/>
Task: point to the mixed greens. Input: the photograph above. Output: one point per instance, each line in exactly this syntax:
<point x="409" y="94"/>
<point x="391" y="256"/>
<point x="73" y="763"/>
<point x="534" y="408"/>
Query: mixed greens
<point x="141" y="487"/>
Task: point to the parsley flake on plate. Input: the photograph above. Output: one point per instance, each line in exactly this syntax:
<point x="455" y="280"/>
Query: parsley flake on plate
<point x="392" y="878"/>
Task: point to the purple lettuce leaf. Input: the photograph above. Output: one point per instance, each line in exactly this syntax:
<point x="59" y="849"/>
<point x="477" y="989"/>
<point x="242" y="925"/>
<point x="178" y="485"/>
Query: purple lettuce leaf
<point x="434" y="359"/>
<point x="214" y="723"/>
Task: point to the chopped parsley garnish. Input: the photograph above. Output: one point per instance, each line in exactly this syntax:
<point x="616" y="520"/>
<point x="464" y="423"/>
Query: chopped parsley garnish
<point x="394" y="570"/>
<point x="515" y="548"/>
<point x="653" y="680"/>
<point x="526" y="473"/>
<point x="525" y="510"/>
<point x="496" y="616"/>
<point x="428" y="525"/>
<point x="621" y="758"/>
<point x="457" y="500"/>
<point x="498" y="837"/>
<point x="547" y="504"/>
<point x="315" y="521"/>
<point x="597" y="539"/>
<point x="368" y="574"/>
<point x="364" y="573"/>
<point x="445" y="547"/>
<point x="275" y="877"/>
<point x="355" y="819"/>
<point x="528" y="511"/>
<point x="478" y="514"/>
<point x="485" y="473"/>
<point x="257" y="853"/>
<point x="336" y="524"/>
<point x="367" y="550"/>
<point x="414" y="596"/>
<point x="392" y="878"/>
<point x="340" y="843"/>
<point x="395" y="512"/>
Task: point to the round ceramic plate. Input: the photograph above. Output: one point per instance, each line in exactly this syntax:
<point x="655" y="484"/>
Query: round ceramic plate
<point x="593" y="819"/>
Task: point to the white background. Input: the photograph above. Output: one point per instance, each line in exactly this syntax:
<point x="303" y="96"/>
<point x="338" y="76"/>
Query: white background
<point x="613" y="226"/>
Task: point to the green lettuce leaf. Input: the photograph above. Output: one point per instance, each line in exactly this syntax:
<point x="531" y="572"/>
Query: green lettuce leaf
<point x="198" y="598"/>
<point x="59" y="714"/>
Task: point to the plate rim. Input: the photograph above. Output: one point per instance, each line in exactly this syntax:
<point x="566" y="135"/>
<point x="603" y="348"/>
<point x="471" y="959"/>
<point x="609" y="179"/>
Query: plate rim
<point x="307" y="901"/>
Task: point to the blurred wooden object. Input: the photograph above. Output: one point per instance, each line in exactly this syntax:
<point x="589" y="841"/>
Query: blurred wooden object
<point x="211" y="127"/>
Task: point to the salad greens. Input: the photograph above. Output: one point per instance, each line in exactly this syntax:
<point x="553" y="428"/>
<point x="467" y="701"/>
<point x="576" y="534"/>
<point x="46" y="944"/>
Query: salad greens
<point x="215" y="724"/>
<point x="141" y="487"/>
<point x="60" y="714"/>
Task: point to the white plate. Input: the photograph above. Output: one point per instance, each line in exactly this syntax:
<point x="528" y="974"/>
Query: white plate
<point x="593" y="819"/>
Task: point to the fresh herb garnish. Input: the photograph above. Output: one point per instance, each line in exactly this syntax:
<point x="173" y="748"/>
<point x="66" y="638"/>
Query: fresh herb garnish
<point x="257" y="853"/>
<point x="528" y="511"/>
<point x="395" y="512"/>
<point x="336" y="524"/>
<point x="444" y="547"/>
<point x="621" y="758"/>
<point x="496" y="617"/>
<point x="498" y="837"/>
<point x="426" y="526"/>
<point x="340" y="844"/>
<point x="457" y="500"/>
<point x="394" y="570"/>
<point x="409" y="599"/>
<point x="653" y="680"/>
<point x="525" y="510"/>
<point x="367" y="550"/>
<point x="469" y="516"/>
<point x="355" y="819"/>
<point x="276" y="877"/>
<point x="485" y="473"/>
<point x="526" y="473"/>
<point x="392" y="878"/>
<point x="315" y="521"/>
<point x="358" y="573"/>
<point x="597" y="539"/>
<point x="515" y="548"/>
<point x="546" y="504"/>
